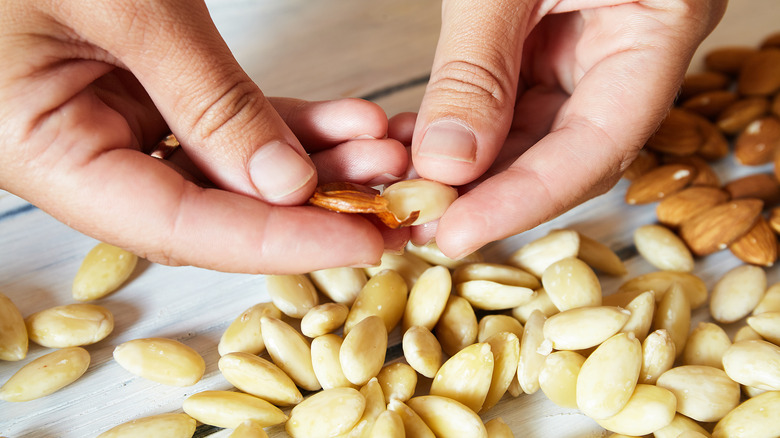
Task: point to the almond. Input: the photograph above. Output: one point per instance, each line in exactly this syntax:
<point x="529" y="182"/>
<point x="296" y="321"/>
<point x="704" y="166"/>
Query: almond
<point x="702" y="82"/>
<point x="718" y="227"/>
<point x="728" y="60"/>
<point x="775" y="107"/>
<point x="709" y="104"/>
<point x="715" y="145"/>
<point x="644" y="162"/>
<point x="774" y="219"/>
<point x="659" y="183"/>
<point x="758" y="142"/>
<point x="679" y="134"/>
<point x="758" y="246"/>
<point x="761" y="186"/>
<point x="742" y="113"/>
<point x="771" y="40"/>
<point x="760" y="73"/>
<point x="705" y="174"/>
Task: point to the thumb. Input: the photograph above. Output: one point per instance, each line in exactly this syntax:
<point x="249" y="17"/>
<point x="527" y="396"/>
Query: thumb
<point x="220" y="116"/>
<point x="467" y="109"/>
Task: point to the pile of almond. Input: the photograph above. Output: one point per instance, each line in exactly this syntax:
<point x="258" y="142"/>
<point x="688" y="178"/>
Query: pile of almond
<point x="734" y="101"/>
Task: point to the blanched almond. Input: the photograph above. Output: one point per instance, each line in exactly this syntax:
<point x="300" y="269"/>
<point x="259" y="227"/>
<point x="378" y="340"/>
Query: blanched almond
<point x="430" y="198"/>
<point x="323" y="319"/>
<point x="680" y="424"/>
<point x="293" y="295"/>
<point x="326" y="414"/>
<point x="746" y="333"/>
<point x="475" y="361"/>
<point x="703" y="393"/>
<point x="492" y="324"/>
<point x="104" y="269"/>
<point x="537" y="255"/>
<point x="660" y="281"/>
<point x="326" y="363"/>
<point x="770" y="302"/>
<point x="431" y="253"/>
<point x="706" y="345"/>
<point x="388" y="425"/>
<point x="498" y="273"/>
<point x="384" y="295"/>
<point x="161" y="360"/>
<point x="457" y="327"/>
<point x="448" y="418"/>
<point x="244" y="334"/>
<point x="414" y="425"/>
<point x="650" y="408"/>
<point x="422" y="350"/>
<point x="259" y="377"/>
<point x="754" y="363"/>
<point x="540" y="302"/>
<point x="754" y="418"/>
<point x="428" y="298"/>
<point x="497" y="428"/>
<point x="71" y="325"/>
<point x="363" y="351"/>
<point x="489" y="295"/>
<point x="584" y="327"/>
<point x="737" y="293"/>
<point x="658" y="354"/>
<point x="408" y="265"/>
<point x="339" y="284"/>
<point x="642" y="310"/>
<point x="674" y="315"/>
<point x="46" y="374"/>
<point x="13" y="332"/>
<point x="571" y="283"/>
<point x="663" y="249"/>
<point x="375" y="405"/>
<point x="168" y="425"/>
<point x="767" y="325"/>
<point x="558" y="378"/>
<point x="600" y="257"/>
<point x="505" y="347"/>
<point x="290" y="351"/>
<point x="398" y="381"/>
<point x="249" y="429"/>
<point x="531" y="360"/>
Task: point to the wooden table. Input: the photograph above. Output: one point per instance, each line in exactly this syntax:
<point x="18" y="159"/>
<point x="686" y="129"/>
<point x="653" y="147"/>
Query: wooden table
<point x="381" y="50"/>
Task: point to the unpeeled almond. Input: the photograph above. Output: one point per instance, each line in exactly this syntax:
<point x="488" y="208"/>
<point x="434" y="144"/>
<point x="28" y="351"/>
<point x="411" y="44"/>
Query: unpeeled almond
<point x="659" y="183"/>
<point x="716" y="228"/>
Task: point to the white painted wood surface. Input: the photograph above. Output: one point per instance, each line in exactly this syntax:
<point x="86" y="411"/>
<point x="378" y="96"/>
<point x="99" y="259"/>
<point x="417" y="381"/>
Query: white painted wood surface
<point x="311" y="50"/>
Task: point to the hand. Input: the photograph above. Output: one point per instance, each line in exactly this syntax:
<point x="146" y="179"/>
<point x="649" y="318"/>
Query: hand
<point x="89" y="87"/>
<point x="537" y="106"/>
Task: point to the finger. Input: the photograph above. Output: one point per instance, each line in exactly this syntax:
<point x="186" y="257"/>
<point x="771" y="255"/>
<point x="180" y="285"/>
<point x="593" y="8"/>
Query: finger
<point x="220" y="116"/>
<point x="467" y="108"/>
<point x="368" y="162"/>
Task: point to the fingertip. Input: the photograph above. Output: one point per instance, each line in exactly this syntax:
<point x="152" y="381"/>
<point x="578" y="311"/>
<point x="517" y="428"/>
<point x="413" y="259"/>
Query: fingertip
<point x="281" y="175"/>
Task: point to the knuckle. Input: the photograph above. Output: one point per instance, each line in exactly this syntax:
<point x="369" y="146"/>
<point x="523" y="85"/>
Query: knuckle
<point x="487" y="84"/>
<point x="229" y="110"/>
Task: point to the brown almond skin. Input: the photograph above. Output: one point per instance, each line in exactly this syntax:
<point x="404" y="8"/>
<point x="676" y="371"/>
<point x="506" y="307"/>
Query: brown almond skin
<point x="645" y="161"/>
<point x="728" y="60"/>
<point x="761" y="186"/>
<point x="775" y="106"/>
<point x="679" y="134"/>
<point x="659" y="183"/>
<point x="771" y="41"/>
<point x="758" y="246"/>
<point x="742" y="113"/>
<point x="716" y="145"/>
<point x="685" y="204"/>
<point x="774" y="219"/>
<point x="718" y="227"/>
<point x="705" y="174"/>
<point x="760" y="73"/>
<point x="702" y="82"/>
<point x="711" y="103"/>
<point x="759" y="141"/>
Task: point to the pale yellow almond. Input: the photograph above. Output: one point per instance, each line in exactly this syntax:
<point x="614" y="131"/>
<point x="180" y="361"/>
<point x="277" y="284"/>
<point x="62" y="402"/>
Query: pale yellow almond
<point x="505" y="347"/>
<point x="260" y="377"/>
<point x="161" y="360"/>
<point x="244" y="334"/>
<point x="13" y="333"/>
<point x="71" y="325"/>
<point x="674" y="315"/>
<point x="408" y="265"/>
<point x="540" y="302"/>
<point x="341" y="285"/>
<point x="492" y="324"/>
<point x="163" y="425"/>
<point x="362" y="353"/>
<point x="293" y="295"/>
<point x="448" y="418"/>
<point x="398" y="381"/>
<point x="46" y="374"/>
<point x="431" y="253"/>
<point x="249" y="429"/>
<point x="558" y="378"/>
<point x="388" y="425"/>
<point x="422" y="351"/>
<point x="571" y="283"/>
<point x="495" y="272"/>
<point x="750" y="391"/>
<point x="375" y="405"/>
<point x="104" y="269"/>
<point x="754" y="418"/>
<point x="659" y="282"/>
<point x="754" y="363"/>
<point x="475" y="361"/>
<point x="770" y="302"/>
<point x="680" y="424"/>
<point x="325" y="360"/>
<point x="745" y="333"/>
<point x="414" y="425"/>
<point x="384" y="295"/>
<point x="658" y="354"/>
<point x="703" y="393"/>
<point x="767" y="325"/>
<point x="706" y="345"/>
<point x="514" y="387"/>
<point x="326" y="414"/>
<point x="623" y="298"/>
<point x="290" y="351"/>
<point x="537" y="255"/>
<point x="229" y="409"/>
<point x="531" y="360"/>
<point x="584" y="327"/>
<point x="457" y="326"/>
<point x="608" y="377"/>
<point x="650" y="408"/>
<point x="489" y="295"/>
<point x="430" y="198"/>
<point x="663" y="249"/>
<point x="600" y="257"/>
<point x="642" y="309"/>
<point x="737" y="293"/>
<point x="323" y="319"/>
<point x="427" y="298"/>
<point x="497" y="428"/>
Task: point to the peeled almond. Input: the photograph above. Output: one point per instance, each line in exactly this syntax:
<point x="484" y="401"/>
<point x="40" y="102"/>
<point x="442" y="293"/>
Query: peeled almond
<point x="244" y="334"/>
<point x="161" y="360"/>
<point x="408" y="265"/>
<point x="658" y="354"/>
<point x="13" y="332"/>
<point x="104" y="269"/>
<point x="414" y="425"/>
<point x="229" y="409"/>
<point x="431" y="253"/>
<point x="497" y="428"/>
<point x="427" y="298"/>
<point x="662" y="248"/>
<point x="737" y="293"/>
<point x="248" y="429"/>
<point x="584" y="327"/>
<point x="384" y="295"/>
<point x="706" y="345"/>
<point x="71" y="325"/>
<point x="770" y="302"/>
<point x="642" y="309"/>
<point x="46" y="374"/>
<point x="600" y="257"/>
<point x="754" y="363"/>
<point x="398" y="381"/>
<point x="327" y="413"/>
<point x="767" y="325"/>
<point x="489" y="325"/>
<point x="422" y="351"/>
<point x="388" y="425"/>
<point x="703" y="393"/>
<point x="660" y="281"/>
<point x="293" y="295"/>
<point x="448" y="418"/>
<point x="674" y="315"/>
<point x="537" y="255"/>
<point x="558" y="378"/>
<point x="475" y="361"/>
<point x="679" y="425"/>
<point x="457" y="327"/>
<point x="168" y="425"/>
<point x="257" y="376"/>
<point x="363" y="351"/>
<point x="754" y="418"/>
<point x="323" y="319"/>
<point x="339" y="284"/>
<point x="325" y="360"/>
<point x="375" y="405"/>
<point x="650" y="408"/>
<point x="430" y="198"/>
<point x="497" y="273"/>
<point x="290" y="351"/>
<point x="532" y="353"/>
<point x="505" y="347"/>
<point x="489" y="295"/>
<point x="571" y="283"/>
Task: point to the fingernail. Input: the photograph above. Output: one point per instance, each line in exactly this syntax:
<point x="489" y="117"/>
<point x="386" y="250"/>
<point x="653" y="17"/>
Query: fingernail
<point x="449" y="140"/>
<point x="277" y="170"/>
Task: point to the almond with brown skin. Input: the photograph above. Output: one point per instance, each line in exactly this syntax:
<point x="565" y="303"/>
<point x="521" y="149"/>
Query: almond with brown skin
<point x="741" y="113"/>
<point x="761" y="186"/>
<point x="728" y="60"/>
<point x="718" y="227"/>
<point x="771" y="41"/>
<point x="774" y="219"/>
<point x="679" y="134"/>
<point x="775" y="106"/>
<point x="757" y="144"/>
<point x="659" y="183"/>
<point x="687" y="203"/>
<point x="346" y="197"/>
<point x="758" y="246"/>
<point x="715" y="145"/>
<point x="760" y="74"/>
<point x="705" y="174"/>
<point x="709" y="104"/>
<point x="702" y="82"/>
<point x="644" y="161"/>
